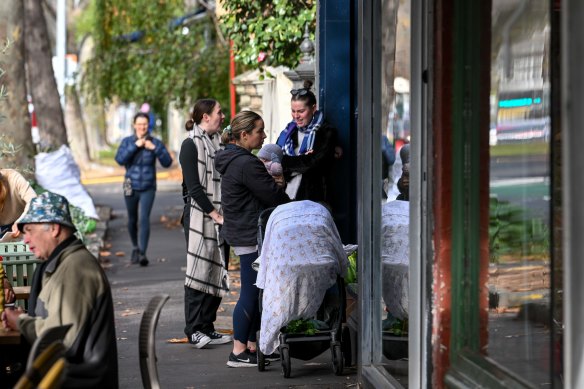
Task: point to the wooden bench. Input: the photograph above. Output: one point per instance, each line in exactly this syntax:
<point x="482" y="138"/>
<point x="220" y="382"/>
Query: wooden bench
<point x="19" y="264"/>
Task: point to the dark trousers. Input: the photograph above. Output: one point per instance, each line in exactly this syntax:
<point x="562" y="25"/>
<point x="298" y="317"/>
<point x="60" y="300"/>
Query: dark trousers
<point x="246" y="315"/>
<point x="141" y="200"/>
<point x="200" y="311"/>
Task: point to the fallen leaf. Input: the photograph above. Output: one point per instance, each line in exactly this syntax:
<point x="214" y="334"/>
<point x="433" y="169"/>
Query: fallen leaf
<point x="130" y="312"/>
<point x="120" y="254"/>
<point x="105" y="253"/>
<point x="177" y="340"/>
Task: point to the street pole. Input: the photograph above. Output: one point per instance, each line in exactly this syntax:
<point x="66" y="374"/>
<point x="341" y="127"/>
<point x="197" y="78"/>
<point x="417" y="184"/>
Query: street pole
<point x="60" y="69"/>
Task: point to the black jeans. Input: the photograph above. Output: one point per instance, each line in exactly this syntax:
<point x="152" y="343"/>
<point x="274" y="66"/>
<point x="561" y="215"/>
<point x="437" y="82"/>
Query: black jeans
<point x="200" y="311"/>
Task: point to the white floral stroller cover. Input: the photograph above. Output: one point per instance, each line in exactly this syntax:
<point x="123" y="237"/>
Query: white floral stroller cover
<point x="301" y="256"/>
<point x="395" y="256"/>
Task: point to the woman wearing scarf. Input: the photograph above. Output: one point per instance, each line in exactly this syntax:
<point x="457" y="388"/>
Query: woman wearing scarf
<point x="309" y="144"/>
<point x="206" y="277"/>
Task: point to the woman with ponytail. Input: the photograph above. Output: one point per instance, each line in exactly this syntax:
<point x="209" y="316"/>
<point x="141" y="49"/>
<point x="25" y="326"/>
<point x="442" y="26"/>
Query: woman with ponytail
<point x="246" y="189"/>
<point x="206" y="276"/>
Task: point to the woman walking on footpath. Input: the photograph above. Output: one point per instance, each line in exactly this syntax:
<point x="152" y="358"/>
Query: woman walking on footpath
<point x="206" y="276"/>
<point x="138" y="154"/>
<point x="246" y="189"/>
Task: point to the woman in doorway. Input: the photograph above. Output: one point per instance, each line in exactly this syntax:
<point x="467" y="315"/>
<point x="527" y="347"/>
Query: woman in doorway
<point x="308" y="142"/>
<point x="246" y="189"/>
<point x="138" y="153"/>
<point x="206" y="276"/>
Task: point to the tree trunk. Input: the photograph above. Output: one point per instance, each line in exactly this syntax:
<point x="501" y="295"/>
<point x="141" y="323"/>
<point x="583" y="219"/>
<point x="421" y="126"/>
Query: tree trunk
<point x="41" y="77"/>
<point x="15" y="125"/>
<point x="388" y="44"/>
<point x="76" y="127"/>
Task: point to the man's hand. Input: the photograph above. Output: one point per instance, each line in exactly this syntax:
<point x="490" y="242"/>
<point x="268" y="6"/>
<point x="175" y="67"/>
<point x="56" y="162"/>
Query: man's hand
<point x="10" y="318"/>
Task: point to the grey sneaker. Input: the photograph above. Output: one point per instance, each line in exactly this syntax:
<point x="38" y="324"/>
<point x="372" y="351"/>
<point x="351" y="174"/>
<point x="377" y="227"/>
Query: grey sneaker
<point x="199" y="340"/>
<point x="217" y="338"/>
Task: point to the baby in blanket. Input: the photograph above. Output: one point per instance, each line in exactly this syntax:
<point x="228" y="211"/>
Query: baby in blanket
<point x="271" y="156"/>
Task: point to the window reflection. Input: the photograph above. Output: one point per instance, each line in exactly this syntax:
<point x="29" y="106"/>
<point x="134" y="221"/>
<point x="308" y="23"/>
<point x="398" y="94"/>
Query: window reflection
<point x="395" y="109"/>
<point x="519" y="225"/>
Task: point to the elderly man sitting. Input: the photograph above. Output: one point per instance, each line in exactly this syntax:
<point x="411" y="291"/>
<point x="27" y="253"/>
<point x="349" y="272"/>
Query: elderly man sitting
<point x="69" y="287"/>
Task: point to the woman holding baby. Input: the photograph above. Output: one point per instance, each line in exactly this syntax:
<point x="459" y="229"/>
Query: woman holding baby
<point x="246" y="189"/>
<point x="308" y="143"/>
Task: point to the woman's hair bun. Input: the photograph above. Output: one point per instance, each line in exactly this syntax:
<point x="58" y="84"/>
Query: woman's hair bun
<point x="189" y="124"/>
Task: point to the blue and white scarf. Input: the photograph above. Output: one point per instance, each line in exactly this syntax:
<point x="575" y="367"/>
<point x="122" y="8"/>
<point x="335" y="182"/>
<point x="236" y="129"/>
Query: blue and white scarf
<point x="286" y="138"/>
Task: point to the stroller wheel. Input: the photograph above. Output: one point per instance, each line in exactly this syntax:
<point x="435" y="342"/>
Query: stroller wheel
<point x="261" y="356"/>
<point x="337" y="359"/>
<point x="285" y="358"/>
<point x="261" y="360"/>
<point x="346" y="346"/>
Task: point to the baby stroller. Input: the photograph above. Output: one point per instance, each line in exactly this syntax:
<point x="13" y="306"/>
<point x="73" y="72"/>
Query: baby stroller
<point x="332" y="305"/>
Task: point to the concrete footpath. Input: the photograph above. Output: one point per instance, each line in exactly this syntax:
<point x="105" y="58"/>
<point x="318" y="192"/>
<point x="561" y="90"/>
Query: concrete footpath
<point x="179" y="365"/>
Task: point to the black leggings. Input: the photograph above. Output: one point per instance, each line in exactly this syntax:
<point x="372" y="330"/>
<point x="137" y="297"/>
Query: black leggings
<point x="246" y="315"/>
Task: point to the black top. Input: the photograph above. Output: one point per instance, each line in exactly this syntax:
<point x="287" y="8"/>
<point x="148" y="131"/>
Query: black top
<point x="246" y="189"/>
<point x="189" y="159"/>
<point x="315" y="167"/>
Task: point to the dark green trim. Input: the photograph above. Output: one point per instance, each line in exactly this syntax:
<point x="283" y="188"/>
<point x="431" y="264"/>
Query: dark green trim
<point x="469" y="367"/>
<point x="466" y="121"/>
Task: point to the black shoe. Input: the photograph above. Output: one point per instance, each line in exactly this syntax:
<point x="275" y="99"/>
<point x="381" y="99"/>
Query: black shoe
<point x="273" y="357"/>
<point x="244" y="359"/>
<point x="135" y="256"/>
<point x="143" y="260"/>
<point x="217" y="338"/>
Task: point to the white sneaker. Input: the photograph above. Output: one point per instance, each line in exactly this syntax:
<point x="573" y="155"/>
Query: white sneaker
<point x="199" y="340"/>
<point x="217" y="338"/>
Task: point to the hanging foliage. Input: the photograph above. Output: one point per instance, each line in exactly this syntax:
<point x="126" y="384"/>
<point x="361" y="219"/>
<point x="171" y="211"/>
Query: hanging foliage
<point x="268" y="32"/>
<point x="155" y="51"/>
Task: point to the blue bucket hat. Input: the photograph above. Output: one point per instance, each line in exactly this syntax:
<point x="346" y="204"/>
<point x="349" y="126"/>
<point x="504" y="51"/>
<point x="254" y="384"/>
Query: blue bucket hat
<point x="47" y="207"/>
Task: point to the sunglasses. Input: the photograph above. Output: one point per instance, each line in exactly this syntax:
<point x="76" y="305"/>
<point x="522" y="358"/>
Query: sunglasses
<point x="299" y="92"/>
